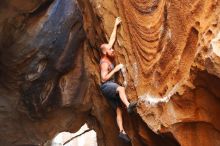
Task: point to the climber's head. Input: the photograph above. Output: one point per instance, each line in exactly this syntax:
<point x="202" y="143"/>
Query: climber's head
<point x="107" y="50"/>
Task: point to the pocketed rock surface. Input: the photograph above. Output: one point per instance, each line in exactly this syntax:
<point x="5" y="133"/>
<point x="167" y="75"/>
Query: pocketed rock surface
<point x="49" y="70"/>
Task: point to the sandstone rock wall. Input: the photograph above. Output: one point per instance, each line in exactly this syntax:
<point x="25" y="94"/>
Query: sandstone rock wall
<point x="49" y="70"/>
<point x="170" y="49"/>
<point x="40" y="45"/>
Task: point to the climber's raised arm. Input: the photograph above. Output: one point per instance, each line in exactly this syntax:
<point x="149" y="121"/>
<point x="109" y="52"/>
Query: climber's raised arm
<point x="113" y="35"/>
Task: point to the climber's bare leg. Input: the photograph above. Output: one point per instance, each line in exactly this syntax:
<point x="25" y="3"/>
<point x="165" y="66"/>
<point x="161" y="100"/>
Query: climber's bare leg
<point x="119" y="119"/>
<point x="123" y="97"/>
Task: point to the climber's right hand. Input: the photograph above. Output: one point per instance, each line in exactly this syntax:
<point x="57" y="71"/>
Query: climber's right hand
<point x="117" y="21"/>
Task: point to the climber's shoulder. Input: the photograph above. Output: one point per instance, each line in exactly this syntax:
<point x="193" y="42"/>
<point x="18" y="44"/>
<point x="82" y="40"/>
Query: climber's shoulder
<point x="104" y="61"/>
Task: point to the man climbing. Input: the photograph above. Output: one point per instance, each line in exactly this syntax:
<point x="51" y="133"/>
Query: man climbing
<point x="111" y="90"/>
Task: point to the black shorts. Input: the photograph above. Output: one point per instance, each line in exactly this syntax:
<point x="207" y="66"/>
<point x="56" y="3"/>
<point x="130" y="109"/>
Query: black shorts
<point x="109" y="90"/>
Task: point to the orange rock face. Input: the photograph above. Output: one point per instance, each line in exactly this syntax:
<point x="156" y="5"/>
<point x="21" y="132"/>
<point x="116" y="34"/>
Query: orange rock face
<point x="49" y="70"/>
<point x="170" y="49"/>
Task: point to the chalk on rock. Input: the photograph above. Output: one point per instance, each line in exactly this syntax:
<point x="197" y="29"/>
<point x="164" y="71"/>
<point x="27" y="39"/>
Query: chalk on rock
<point x="121" y="66"/>
<point x="125" y="83"/>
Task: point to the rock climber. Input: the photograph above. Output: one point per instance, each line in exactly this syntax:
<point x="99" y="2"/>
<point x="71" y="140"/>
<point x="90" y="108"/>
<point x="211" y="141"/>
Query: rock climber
<point x="111" y="90"/>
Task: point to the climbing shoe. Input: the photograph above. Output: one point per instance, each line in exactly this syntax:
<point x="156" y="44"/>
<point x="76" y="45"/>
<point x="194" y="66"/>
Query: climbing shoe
<point x="124" y="137"/>
<point x="131" y="107"/>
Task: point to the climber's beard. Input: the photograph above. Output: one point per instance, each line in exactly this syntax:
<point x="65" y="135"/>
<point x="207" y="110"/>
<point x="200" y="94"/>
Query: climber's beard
<point x="111" y="56"/>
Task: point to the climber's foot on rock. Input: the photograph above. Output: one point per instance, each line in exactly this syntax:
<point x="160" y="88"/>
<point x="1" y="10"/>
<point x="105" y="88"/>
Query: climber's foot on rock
<point x="124" y="137"/>
<point x="132" y="106"/>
